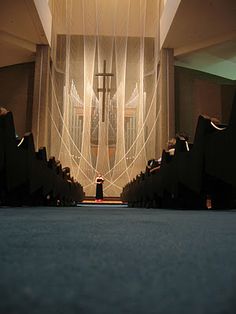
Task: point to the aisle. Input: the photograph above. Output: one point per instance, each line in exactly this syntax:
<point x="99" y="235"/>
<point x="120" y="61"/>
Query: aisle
<point x="87" y="260"/>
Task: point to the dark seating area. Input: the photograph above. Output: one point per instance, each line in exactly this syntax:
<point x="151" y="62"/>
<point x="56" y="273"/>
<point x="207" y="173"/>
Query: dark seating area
<point x="27" y="177"/>
<point x="220" y="166"/>
<point x="203" y="177"/>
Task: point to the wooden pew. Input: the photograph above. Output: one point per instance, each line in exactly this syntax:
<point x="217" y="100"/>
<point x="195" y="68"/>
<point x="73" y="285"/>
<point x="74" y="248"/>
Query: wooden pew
<point x="14" y="169"/>
<point x="180" y="181"/>
<point x="42" y="179"/>
<point x="162" y="187"/>
<point x="74" y="191"/>
<point x="191" y="169"/>
<point x="150" y="189"/>
<point x="26" y="177"/>
<point x="35" y="171"/>
<point x="187" y="179"/>
<point x="47" y="173"/>
<point x="2" y="159"/>
<point x="220" y="165"/>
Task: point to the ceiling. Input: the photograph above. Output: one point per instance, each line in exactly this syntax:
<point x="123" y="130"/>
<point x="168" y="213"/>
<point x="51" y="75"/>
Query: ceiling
<point x="218" y="59"/>
<point x="203" y="35"/>
<point x="20" y="31"/>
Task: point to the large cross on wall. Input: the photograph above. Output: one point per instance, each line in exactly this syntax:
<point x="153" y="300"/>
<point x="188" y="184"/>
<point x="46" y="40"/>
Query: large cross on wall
<point x="104" y="88"/>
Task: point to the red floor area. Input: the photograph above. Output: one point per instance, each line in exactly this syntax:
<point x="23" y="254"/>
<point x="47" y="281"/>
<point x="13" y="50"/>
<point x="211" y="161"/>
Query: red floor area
<point x="104" y="201"/>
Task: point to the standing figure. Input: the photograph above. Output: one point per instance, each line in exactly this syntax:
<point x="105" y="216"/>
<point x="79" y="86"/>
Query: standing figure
<point x="99" y="188"/>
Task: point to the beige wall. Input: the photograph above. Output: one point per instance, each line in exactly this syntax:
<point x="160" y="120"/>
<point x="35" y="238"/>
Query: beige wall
<point x="200" y="93"/>
<point x="16" y="94"/>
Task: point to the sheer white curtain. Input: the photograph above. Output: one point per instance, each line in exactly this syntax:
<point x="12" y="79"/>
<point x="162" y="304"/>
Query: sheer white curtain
<point x="85" y="34"/>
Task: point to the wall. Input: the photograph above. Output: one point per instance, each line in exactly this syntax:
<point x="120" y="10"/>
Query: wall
<point x="227" y="95"/>
<point x="168" y="11"/>
<point x="200" y="93"/>
<point x="16" y="94"/>
<point x="45" y="16"/>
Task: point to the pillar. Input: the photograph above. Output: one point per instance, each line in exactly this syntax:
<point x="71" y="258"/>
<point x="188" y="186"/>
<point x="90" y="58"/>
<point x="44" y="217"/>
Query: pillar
<point x="166" y="123"/>
<point x="40" y="98"/>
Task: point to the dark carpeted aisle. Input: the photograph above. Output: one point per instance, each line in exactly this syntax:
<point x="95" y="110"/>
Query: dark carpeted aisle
<point x="115" y="260"/>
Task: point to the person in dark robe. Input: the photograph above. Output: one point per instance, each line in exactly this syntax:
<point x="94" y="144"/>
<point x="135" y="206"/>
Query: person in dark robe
<point x="99" y="188"/>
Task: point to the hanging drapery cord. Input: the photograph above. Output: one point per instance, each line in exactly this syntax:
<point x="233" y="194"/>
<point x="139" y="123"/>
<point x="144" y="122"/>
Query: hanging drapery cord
<point x="65" y="145"/>
<point x="77" y="56"/>
<point x="143" y="147"/>
<point x="141" y="130"/>
<point x="111" y="182"/>
<point x="121" y="46"/>
<point x="140" y="151"/>
<point x="68" y="132"/>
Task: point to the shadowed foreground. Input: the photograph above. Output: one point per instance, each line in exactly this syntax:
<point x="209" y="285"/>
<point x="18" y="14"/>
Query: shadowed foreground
<point x="117" y="260"/>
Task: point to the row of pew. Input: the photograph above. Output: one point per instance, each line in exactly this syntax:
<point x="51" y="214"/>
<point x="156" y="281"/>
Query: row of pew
<point x="27" y="177"/>
<point x="203" y="177"/>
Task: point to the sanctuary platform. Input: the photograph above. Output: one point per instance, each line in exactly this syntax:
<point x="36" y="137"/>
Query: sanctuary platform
<point x="106" y="201"/>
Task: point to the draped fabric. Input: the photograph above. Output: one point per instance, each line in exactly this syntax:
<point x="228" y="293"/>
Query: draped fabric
<point x="122" y="34"/>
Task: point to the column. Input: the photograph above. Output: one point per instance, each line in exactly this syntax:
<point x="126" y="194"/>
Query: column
<point x="40" y="98"/>
<point x="166" y="127"/>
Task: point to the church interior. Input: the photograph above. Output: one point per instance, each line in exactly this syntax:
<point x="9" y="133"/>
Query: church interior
<point x="102" y="88"/>
<point x="168" y="64"/>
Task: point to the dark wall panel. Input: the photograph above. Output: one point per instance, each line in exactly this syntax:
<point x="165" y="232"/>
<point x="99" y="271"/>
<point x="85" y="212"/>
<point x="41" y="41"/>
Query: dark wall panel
<point x="16" y="94"/>
<point x="200" y="93"/>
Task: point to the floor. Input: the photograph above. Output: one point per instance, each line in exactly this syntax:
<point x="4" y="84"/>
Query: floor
<point x="104" y="201"/>
<point x="108" y="260"/>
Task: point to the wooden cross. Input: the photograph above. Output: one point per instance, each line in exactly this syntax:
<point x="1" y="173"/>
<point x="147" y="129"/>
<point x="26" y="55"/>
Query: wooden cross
<point x="104" y="74"/>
